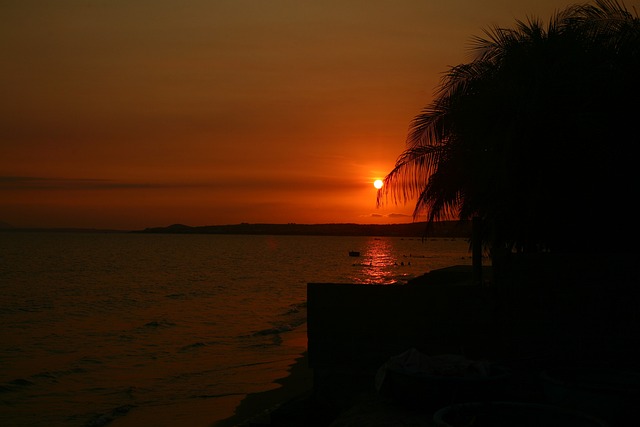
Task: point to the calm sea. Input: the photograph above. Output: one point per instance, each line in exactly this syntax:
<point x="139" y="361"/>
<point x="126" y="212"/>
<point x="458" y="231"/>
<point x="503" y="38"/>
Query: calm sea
<point x="102" y="329"/>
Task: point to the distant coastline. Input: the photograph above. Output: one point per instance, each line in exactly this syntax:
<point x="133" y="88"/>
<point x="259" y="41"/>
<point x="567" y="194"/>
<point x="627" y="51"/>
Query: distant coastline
<point x="415" y="229"/>
<point x="59" y="230"/>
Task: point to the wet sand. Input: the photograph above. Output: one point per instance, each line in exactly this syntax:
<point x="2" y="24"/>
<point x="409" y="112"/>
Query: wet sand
<point x="197" y="413"/>
<point x="255" y="408"/>
<point x="233" y="410"/>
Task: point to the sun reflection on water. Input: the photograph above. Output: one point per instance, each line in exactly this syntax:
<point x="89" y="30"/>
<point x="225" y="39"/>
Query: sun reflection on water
<point x="378" y="263"/>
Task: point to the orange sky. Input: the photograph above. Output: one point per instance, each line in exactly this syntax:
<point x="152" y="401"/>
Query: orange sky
<point x="134" y="113"/>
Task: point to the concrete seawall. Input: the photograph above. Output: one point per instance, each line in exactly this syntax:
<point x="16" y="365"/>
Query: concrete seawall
<point x="542" y="310"/>
<point x="361" y="326"/>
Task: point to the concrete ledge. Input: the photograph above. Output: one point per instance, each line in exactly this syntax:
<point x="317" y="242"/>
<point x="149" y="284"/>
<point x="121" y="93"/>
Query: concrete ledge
<point x="361" y="326"/>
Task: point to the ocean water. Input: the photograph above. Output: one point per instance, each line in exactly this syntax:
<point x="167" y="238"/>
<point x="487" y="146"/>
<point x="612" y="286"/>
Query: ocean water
<point x="100" y="329"/>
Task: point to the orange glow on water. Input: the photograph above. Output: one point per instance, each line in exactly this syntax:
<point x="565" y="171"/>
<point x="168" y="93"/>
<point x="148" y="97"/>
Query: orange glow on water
<point x="379" y="264"/>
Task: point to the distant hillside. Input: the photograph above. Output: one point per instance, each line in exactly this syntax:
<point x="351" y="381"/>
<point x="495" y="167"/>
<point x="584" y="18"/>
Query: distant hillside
<point x="61" y="230"/>
<point x="415" y="229"/>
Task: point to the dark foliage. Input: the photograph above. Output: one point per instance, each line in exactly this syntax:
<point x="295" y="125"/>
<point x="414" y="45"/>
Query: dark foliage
<point x="537" y="136"/>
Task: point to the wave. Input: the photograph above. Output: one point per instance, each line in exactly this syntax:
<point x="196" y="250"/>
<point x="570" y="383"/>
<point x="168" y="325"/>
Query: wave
<point x="295" y="315"/>
<point x="159" y="324"/>
<point x="274" y="331"/>
<point x="216" y="396"/>
<point x="15" y="385"/>
<point x="104" y="419"/>
<point x="296" y="308"/>
<point x="193" y="346"/>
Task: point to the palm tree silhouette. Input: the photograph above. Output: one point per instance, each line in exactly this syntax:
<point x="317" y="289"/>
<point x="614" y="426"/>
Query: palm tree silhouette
<point x="536" y="136"/>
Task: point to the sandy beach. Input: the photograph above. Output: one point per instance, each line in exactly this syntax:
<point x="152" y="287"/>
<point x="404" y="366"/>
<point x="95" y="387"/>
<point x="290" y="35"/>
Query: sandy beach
<point x="233" y="410"/>
<point x="256" y="408"/>
<point x="298" y="381"/>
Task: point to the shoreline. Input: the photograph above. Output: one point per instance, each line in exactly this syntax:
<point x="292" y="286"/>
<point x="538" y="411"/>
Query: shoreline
<point x="256" y="408"/>
<point x="233" y="410"/>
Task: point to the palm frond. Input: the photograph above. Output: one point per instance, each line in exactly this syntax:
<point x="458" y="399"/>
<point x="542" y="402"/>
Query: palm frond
<point x="412" y="170"/>
<point x="516" y="132"/>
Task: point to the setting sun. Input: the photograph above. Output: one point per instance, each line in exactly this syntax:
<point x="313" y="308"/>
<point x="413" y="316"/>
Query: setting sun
<point x="377" y="183"/>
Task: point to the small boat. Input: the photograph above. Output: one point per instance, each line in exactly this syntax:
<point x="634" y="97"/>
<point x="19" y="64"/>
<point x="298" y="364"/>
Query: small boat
<point x="354" y="253"/>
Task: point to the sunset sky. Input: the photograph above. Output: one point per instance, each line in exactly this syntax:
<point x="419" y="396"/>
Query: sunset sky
<point x="128" y="114"/>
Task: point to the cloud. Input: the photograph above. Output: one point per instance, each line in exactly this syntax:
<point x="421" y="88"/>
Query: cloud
<point x="399" y="215"/>
<point x="391" y="215"/>
<point x="56" y="184"/>
<point x="281" y="183"/>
